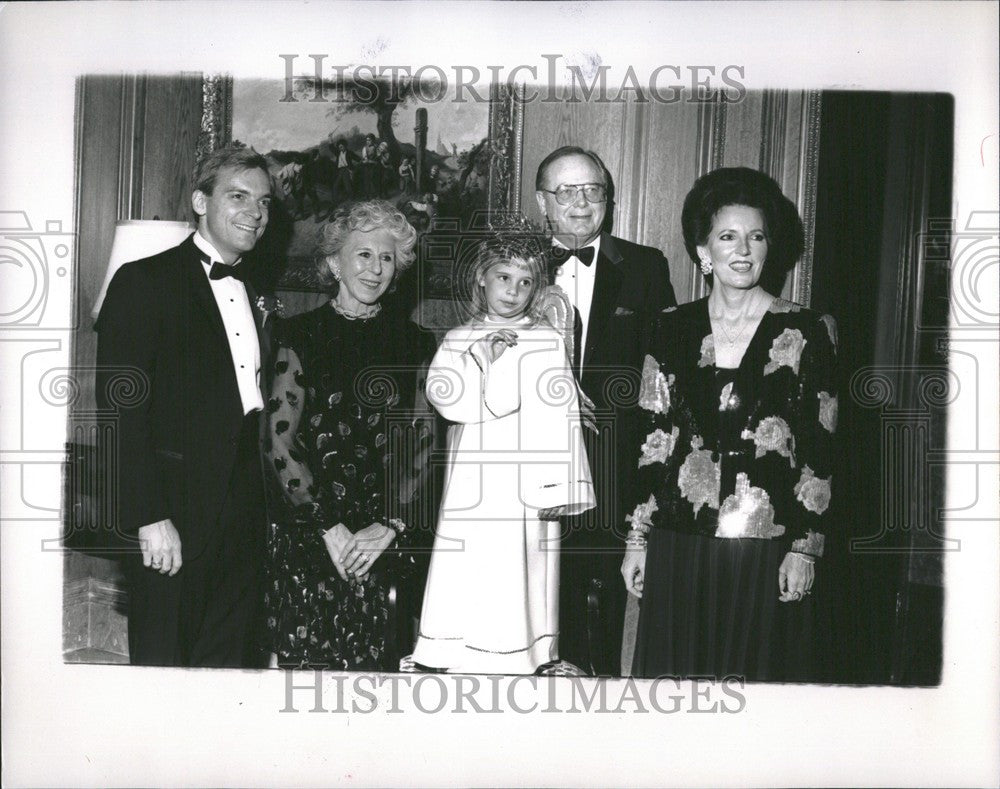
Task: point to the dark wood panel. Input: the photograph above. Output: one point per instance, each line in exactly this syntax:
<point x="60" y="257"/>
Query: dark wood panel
<point x="744" y="131"/>
<point x="670" y="168"/>
<point x="169" y="137"/>
<point x="549" y="126"/>
<point x="99" y="149"/>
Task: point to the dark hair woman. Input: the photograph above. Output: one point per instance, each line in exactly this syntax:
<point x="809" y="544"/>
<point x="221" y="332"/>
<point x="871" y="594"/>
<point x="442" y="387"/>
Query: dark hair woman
<point x="738" y="410"/>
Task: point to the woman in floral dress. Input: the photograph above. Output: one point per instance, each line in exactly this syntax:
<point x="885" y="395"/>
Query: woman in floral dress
<point x="732" y="482"/>
<point x="345" y="382"/>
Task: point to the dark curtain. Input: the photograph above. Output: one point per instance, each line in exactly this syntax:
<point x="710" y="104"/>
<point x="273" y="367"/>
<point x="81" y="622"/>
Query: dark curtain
<point x="881" y="268"/>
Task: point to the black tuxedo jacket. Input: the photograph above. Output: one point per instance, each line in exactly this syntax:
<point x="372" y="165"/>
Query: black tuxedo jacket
<point x="165" y="368"/>
<point x="631" y="287"/>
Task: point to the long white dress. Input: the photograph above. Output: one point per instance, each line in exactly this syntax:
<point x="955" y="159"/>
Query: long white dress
<point x="491" y="603"/>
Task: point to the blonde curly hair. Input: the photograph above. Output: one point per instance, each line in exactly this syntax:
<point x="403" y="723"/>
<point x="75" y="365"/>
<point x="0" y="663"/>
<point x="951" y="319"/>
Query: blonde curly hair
<point x="363" y="217"/>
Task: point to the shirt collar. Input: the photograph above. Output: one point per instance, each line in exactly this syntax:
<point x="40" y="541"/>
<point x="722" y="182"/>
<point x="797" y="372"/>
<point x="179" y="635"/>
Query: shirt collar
<point x="209" y="249"/>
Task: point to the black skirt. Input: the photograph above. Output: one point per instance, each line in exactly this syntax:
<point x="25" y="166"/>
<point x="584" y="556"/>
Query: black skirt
<point x="710" y="608"/>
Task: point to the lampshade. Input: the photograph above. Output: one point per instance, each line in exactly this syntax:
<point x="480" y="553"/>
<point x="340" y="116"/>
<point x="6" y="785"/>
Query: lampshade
<point x="136" y="239"/>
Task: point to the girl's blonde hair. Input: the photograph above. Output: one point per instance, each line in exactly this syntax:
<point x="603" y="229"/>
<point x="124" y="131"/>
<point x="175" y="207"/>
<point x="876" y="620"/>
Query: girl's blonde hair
<point x="520" y="245"/>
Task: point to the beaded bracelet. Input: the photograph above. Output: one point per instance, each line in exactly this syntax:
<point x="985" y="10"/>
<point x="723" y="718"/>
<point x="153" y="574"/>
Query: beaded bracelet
<point x="636" y="538"/>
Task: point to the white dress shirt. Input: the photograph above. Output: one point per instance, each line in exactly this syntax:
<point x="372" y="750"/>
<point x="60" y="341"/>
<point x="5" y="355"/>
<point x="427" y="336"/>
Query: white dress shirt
<point x="577" y="280"/>
<point x="241" y="332"/>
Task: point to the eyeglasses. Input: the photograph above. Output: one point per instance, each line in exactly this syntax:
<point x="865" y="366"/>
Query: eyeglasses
<point x="567" y="193"/>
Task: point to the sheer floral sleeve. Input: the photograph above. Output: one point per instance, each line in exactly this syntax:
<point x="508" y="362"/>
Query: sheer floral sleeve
<point x="289" y="404"/>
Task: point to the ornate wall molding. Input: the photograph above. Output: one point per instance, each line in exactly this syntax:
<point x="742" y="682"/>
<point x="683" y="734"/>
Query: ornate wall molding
<point x="808" y="155"/>
<point x="216" y="113"/>
<point x="711" y="145"/>
<point x="506" y="131"/>
<point x="773" y="136"/>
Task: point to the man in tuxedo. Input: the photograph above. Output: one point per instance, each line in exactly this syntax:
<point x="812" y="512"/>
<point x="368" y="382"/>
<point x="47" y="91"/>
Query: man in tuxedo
<point x="617" y="288"/>
<point x="186" y="328"/>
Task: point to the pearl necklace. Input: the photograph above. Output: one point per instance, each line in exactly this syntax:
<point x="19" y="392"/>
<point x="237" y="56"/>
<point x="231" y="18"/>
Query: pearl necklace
<point x="372" y="311"/>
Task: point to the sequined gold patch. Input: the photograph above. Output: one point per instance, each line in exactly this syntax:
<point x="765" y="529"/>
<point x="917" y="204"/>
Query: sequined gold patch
<point x="812" y="544"/>
<point x="658" y="446"/>
<point x="828" y="411"/>
<point x="707" y="351"/>
<point x="812" y="491"/>
<point x="642" y="516"/>
<point x="831" y="329"/>
<point x="727" y="400"/>
<point x="700" y="477"/>
<point x="747" y="512"/>
<point x="654" y="393"/>
<point x="772" y="435"/>
<point x="786" y="351"/>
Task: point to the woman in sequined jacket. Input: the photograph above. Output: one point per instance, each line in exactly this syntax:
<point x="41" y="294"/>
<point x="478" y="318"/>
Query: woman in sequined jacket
<point x="733" y="451"/>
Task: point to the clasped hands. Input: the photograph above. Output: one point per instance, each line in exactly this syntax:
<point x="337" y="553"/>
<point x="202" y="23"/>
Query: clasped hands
<point x="354" y="554"/>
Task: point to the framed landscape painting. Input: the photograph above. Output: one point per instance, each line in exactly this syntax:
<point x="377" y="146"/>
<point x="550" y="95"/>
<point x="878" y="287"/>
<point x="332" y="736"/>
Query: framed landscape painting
<point x="443" y="159"/>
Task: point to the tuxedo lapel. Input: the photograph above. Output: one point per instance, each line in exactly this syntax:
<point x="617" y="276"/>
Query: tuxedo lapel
<point x="201" y="292"/>
<point x="607" y="283"/>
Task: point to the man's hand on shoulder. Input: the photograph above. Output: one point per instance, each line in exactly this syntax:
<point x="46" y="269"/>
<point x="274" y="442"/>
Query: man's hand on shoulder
<point x="161" y="546"/>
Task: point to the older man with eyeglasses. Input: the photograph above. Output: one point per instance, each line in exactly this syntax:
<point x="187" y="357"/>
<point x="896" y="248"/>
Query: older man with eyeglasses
<point x="616" y="288"/>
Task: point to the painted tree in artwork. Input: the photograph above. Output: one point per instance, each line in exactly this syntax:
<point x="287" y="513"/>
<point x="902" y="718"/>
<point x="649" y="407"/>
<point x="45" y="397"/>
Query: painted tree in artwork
<point x="379" y="96"/>
<point x="476" y="159"/>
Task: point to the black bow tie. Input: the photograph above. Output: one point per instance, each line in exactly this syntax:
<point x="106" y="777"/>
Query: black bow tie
<point x="221" y="271"/>
<point x="584" y="254"/>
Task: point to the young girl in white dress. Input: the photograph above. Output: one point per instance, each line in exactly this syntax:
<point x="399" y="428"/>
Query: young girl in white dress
<point x="516" y="464"/>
